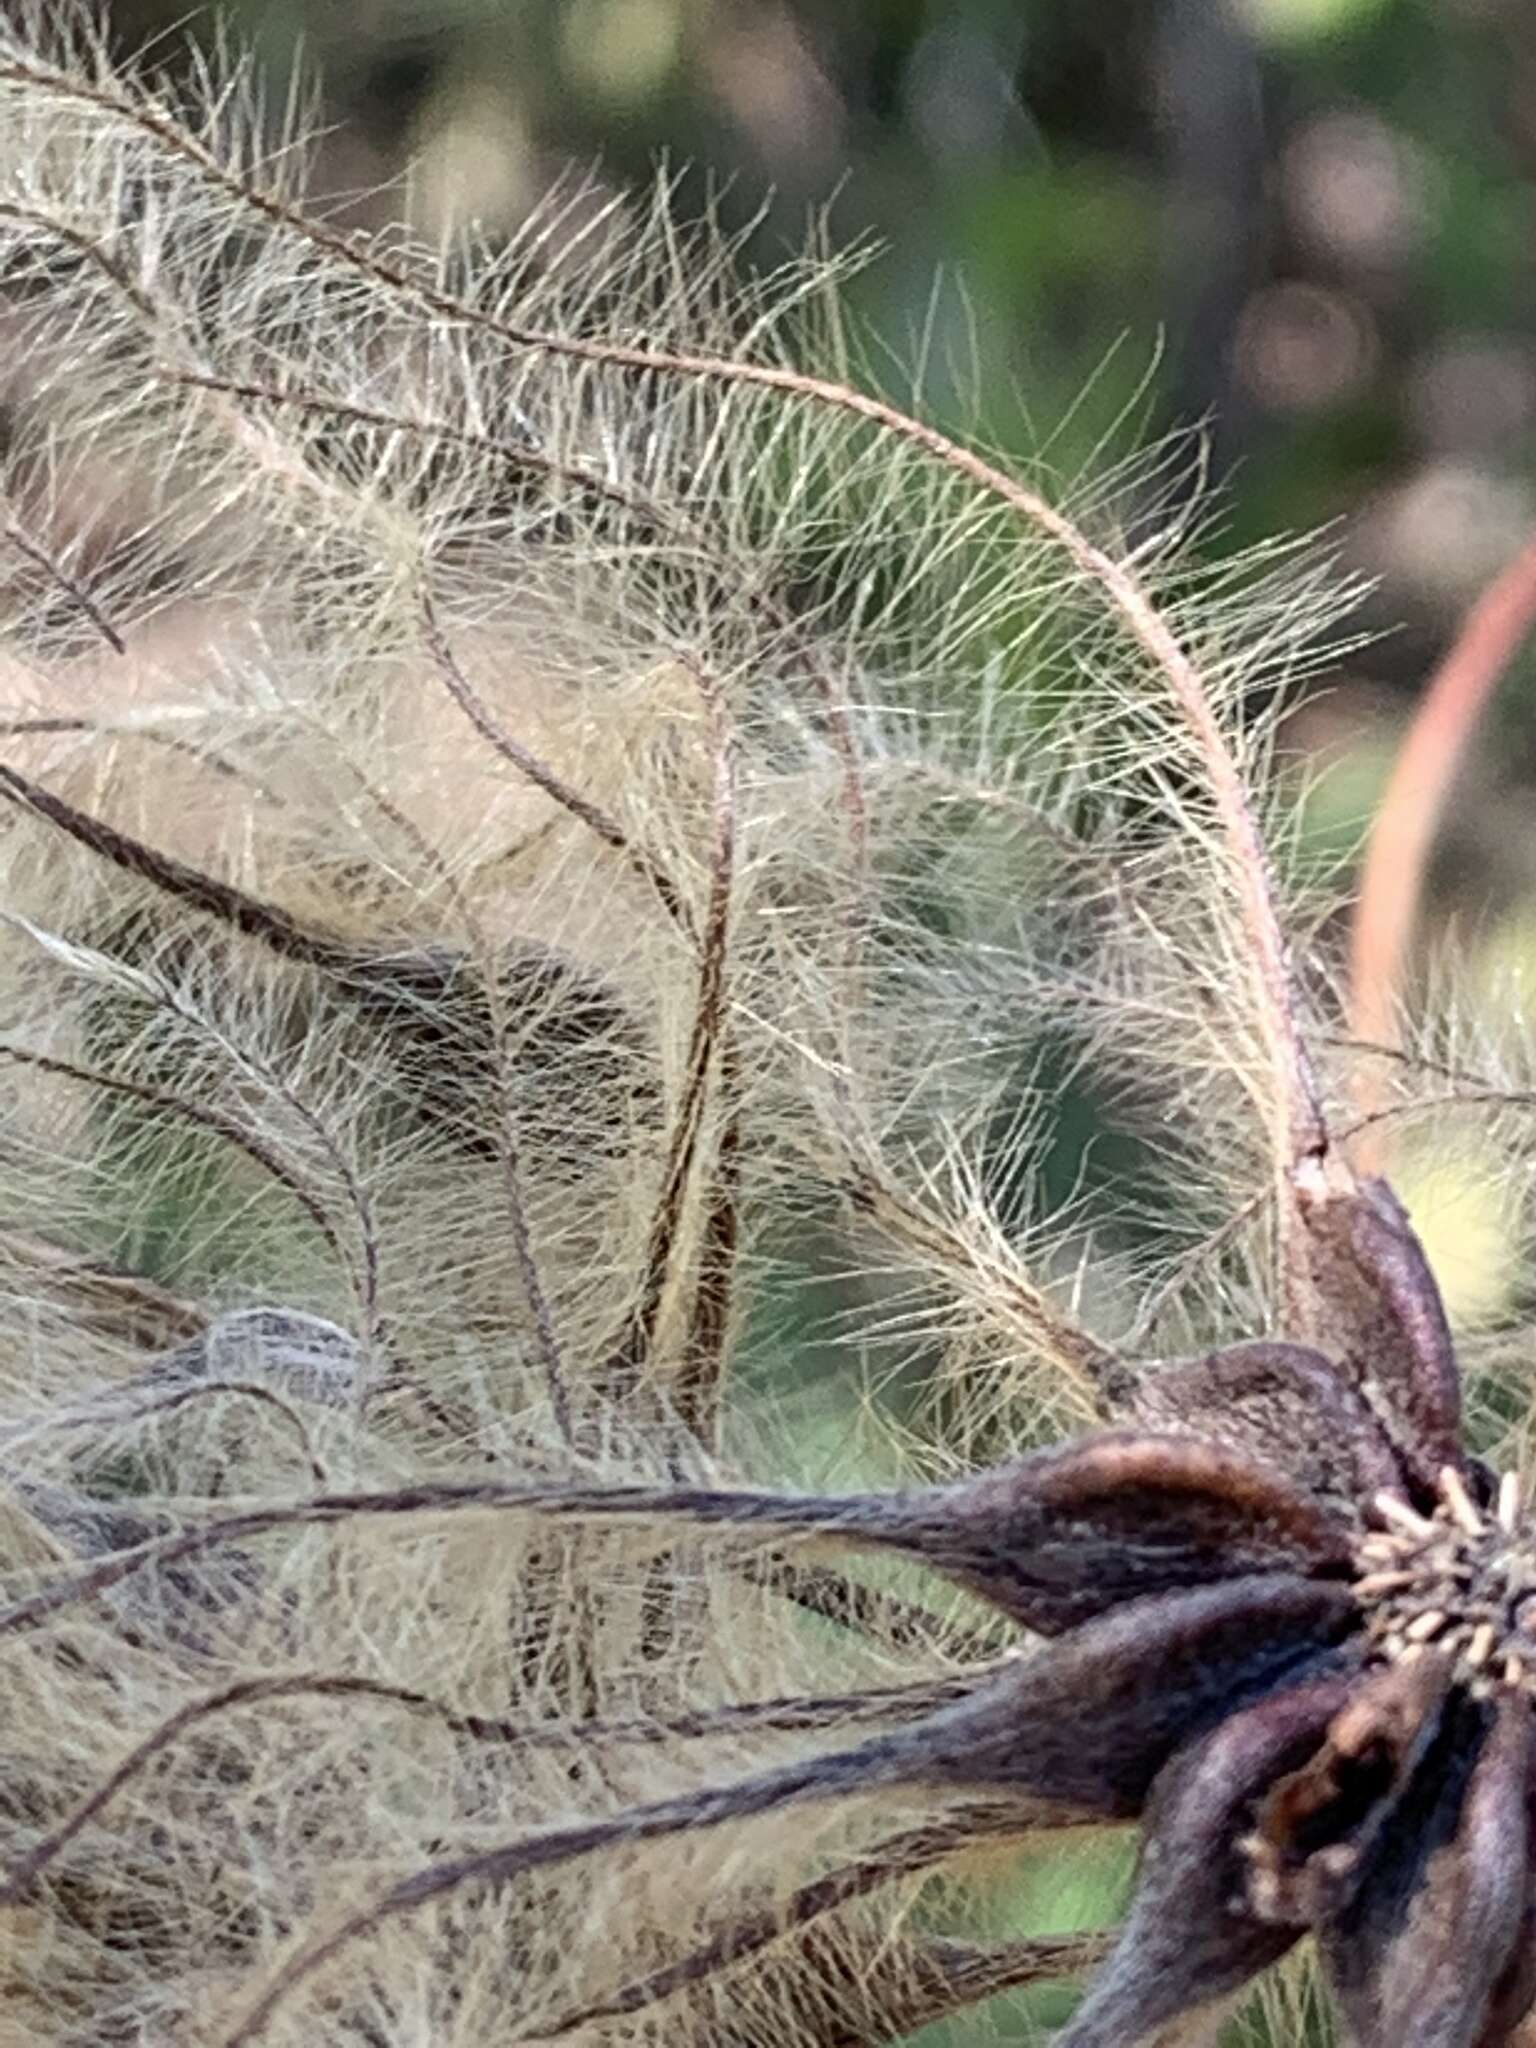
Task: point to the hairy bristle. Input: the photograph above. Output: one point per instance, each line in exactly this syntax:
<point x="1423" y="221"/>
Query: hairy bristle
<point x="554" y="850"/>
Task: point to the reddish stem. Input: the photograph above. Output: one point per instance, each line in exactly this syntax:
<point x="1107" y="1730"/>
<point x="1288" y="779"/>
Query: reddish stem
<point x="1404" y="832"/>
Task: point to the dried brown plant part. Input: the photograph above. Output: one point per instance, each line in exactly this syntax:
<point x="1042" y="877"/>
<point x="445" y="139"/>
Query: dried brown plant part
<point x="1425" y="1954"/>
<point x="143" y="1406"/>
<point x="669" y="520"/>
<point x="601" y="823"/>
<point x="292" y="940"/>
<point x="849" y="1992"/>
<point x="1283" y="1404"/>
<point x="899" y="1623"/>
<point x="939" y="1978"/>
<point x="361" y="1260"/>
<point x="1383" y="1319"/>
<point x="36" y="726"/>
<point x="701" y="1372"/>
<point x="87" y="246"/>
<point x="206" y="1116"/>
<point x="1317" y="1823"/>
<point x="696" y="1396"/>
<point x="1294" y="1113"/>
<point x="173" y="343"/>
<point x="71" y="586"/>
<point x="1408" y="816"/>
<point x="121" y="1305"/>
<point x="1086" y="1724"/>
<point x="1184" y="1946"/>
<point x="366" y="979"/>
<point x="507" y="1145"/>
<point x="910" y="1854"/>
<point x="1052" y="1540"/>
<point x="218" y="899"/>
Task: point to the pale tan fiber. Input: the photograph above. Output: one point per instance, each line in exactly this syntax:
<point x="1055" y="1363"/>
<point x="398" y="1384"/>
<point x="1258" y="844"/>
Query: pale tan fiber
<point x="557" y="849"/>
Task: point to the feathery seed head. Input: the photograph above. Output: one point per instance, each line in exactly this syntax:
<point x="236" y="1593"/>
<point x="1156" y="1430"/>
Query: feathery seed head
<point x="545" y="829"/>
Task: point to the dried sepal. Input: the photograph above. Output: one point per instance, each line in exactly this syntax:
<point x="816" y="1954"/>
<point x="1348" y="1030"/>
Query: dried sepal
<point x="1424" y="1954"/>
<point x="1192" y="1938"/>
<point x="1286" y="1405"/>
<point x="1382" y="1316"/>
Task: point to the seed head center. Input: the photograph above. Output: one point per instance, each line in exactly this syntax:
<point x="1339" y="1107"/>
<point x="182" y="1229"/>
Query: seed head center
<point x="1458" y="1583"/>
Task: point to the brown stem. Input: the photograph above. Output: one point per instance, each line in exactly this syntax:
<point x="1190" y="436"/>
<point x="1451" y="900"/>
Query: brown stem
<point x="218" y="899"/>
<point x="528" y="764"/>
<point x="937" y="1978"/>
<point x="796" y="1713"/>
<point x="910" y="1756"/>
<point x="131" y="1308"/>
<point x="71" y="586"/>
<point x="206" y="1116"/>
<point x="857" y="1519"/>
<point x="868" y="1610"/>
<point x="143" y="1407"/>
<point x="711" y="1006"/>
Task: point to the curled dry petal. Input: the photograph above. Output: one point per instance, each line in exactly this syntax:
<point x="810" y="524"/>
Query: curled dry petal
<point x="1425" y="1953"/>
<point x="1384" y="1320"/>
<point x="1319" y="1823"/>
<point x="1072" y="1532"/>
<point x="1190" y="1938"/>
<point x="1283" y="1404"/>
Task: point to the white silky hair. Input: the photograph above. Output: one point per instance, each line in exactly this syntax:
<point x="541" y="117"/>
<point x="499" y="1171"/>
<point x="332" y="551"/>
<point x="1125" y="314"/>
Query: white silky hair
<point x="545" y="825"/>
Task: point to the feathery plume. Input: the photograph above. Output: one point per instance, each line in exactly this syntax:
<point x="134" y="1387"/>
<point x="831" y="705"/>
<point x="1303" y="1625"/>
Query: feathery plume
<point x="546" y="828"/>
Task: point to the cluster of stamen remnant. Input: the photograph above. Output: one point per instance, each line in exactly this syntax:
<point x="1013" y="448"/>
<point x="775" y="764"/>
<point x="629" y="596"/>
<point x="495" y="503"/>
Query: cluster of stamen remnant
<point x="1458" y="1583"/>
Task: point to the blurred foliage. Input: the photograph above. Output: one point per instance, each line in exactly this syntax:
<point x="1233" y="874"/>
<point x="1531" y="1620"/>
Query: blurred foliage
<point x="1326" y="206"/>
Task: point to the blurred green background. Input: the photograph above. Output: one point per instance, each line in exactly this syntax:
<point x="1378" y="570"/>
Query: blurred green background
<point x="1308" y="226"/>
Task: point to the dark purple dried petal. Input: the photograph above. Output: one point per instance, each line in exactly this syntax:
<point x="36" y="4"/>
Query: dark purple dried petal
<point x="1074" y="1531"/>
<point x="1093" y="1719"/>
<point x="1426" y="1949"/>
<point x="1515" y="1992"/>
<point x="1384" y="1319"/>
<point x="1283" y="1404"/>
<point x="1317" y="1825"/>
<point x="1190" y="1939"/>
